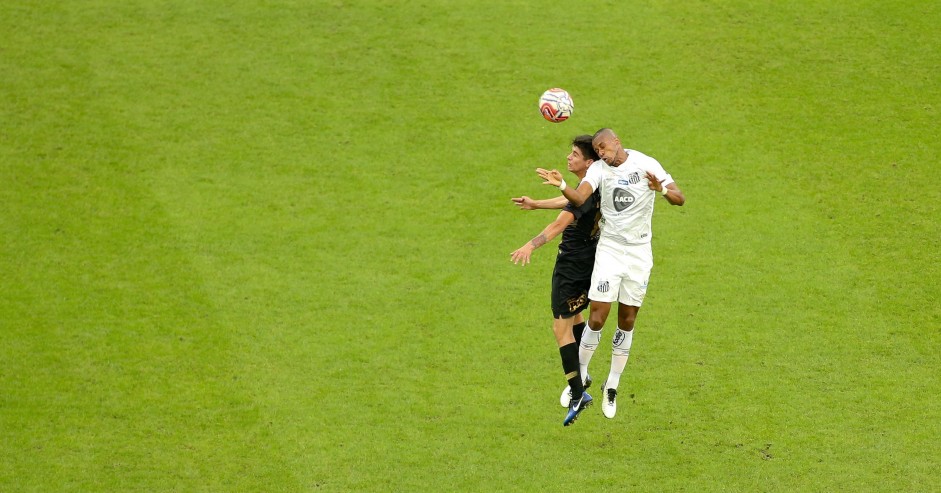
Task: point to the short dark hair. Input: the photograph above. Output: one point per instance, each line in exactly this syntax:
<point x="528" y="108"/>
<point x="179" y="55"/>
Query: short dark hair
<point x="583" y="142"/>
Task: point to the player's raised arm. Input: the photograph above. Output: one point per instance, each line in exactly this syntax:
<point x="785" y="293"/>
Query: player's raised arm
<point x="577" y="196"/>
<point x="670" y="191"/>
<point x="523" y="253"/>
<point x="528" y="204"/>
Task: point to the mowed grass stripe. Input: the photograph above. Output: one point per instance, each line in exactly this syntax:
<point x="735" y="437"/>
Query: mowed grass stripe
<point x="120" y="372"/>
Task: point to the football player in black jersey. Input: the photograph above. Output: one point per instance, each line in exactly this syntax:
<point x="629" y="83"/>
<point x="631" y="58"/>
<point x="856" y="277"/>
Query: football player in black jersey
<point x="571" y="277"/>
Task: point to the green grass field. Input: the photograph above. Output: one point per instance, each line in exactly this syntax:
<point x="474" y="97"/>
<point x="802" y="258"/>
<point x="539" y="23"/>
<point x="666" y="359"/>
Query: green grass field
<point x="264" y="246"/>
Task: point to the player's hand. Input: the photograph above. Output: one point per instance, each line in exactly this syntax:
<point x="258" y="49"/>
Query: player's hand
<point x="525" y="203"/>
<point x="653" y="182"/>
<point x="550" y="177"/>
<point x="522" y="254"/>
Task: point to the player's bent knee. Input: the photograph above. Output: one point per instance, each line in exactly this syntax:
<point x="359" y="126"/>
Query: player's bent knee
<point x="626" y="323"/>
<point x="596" y="322"/>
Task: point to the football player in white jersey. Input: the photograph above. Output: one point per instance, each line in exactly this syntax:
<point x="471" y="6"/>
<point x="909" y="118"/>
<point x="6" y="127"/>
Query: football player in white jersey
<point x="629" y="182"/>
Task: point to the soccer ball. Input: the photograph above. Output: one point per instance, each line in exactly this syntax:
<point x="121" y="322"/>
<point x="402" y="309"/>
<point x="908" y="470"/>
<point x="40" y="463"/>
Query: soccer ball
<point x="556" y="105"/>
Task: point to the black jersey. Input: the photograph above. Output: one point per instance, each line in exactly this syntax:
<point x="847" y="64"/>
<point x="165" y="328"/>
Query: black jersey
<point x="571" y="277"/>
<point x="581" y="237"/>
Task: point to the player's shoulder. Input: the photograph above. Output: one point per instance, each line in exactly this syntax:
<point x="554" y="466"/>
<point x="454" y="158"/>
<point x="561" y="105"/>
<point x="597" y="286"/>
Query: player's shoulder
<point x="639" y="156"/>
<point x="641" y="160"/>
<point x="594" y="171"/>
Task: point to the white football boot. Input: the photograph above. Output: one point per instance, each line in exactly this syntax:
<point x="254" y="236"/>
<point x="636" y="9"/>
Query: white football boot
<point x="609" y="402"/>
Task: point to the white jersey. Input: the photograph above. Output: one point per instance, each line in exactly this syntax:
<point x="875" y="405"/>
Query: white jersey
<point x="626" y="199"/>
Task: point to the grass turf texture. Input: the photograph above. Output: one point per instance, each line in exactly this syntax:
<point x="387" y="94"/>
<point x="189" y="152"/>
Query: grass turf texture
<point x="263" y="246"/>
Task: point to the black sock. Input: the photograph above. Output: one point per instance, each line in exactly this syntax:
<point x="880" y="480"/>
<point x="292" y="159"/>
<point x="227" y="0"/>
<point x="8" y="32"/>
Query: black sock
<point x="569" y="353"/>
<point x="577" y="332"/>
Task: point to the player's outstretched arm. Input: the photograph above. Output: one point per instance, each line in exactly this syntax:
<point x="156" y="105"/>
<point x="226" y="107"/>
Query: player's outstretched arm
<point x="524" y="253"/>
<point x="671" y="192"/>
<point x="577" y="196"/>
<point x="528" y="204"/>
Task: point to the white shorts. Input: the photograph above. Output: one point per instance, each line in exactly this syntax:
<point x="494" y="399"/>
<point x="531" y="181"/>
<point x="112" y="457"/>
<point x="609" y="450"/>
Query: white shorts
<point x="621" y="273"/>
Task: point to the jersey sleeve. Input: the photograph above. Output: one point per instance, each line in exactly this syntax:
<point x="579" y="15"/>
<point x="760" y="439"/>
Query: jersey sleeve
<point x="654" y="167"/>
<point x="593" y="175"/>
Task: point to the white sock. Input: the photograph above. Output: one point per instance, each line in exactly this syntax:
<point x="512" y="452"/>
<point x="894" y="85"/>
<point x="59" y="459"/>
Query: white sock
<point x="620" y="350"/>
<point x="590" y="340"/>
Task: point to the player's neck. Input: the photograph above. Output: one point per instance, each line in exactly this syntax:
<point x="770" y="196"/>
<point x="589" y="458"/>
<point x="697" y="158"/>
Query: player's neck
<point x="621" y="162"/>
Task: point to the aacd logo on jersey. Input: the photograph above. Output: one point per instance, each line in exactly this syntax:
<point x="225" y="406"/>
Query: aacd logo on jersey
<point x="622" y="199"/>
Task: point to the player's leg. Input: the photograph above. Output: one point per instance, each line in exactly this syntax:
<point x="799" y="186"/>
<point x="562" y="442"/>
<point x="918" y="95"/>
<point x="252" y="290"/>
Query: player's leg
<point x="631" y="297"/>
<point x="621" y="343"/>
<point x="598" y="314"/>
<point x="568" y="301"/>
<point x="582" y="283"/>
<point x="578" y="325"/>
<point x="583" y="275"/>
<point x="562" y="328"/>
<point x="620" y="351"/>
<point x="568" y="351"/>
<point x="627" y="315"/>
<point x="603" y="290"/>
<point x="579" y="399"/>
<point x="591" y="335"/>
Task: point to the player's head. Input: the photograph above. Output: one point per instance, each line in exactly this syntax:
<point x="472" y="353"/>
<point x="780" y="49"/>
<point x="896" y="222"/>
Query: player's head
<point x="582" y="155"/>
<point x="583" y="143"/>
<point x="608" y="146"/>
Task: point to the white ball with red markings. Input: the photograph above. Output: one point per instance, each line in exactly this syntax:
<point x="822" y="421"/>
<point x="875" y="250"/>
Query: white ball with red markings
<point x="556" y="105"/>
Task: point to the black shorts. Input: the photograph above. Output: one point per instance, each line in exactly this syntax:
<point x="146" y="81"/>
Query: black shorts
<point x="571" y="279"/>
